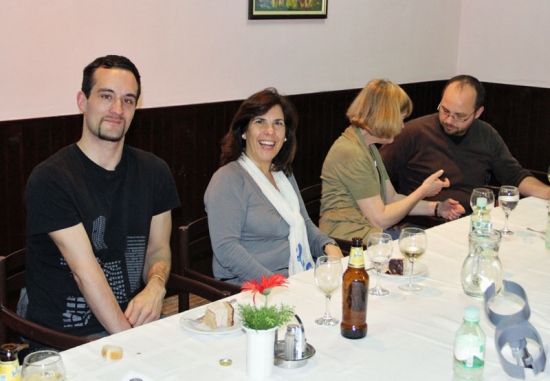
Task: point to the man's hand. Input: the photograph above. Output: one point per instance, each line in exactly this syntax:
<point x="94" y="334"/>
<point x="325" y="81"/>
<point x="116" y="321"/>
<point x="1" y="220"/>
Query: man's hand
<point x="433" y="185"/>
<point x="451" y="209"/>
<point x="147" y="305"/>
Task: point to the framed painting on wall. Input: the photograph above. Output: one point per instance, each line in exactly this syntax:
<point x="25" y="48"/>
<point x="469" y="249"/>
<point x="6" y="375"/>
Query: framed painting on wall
<point x="287" y="9"/>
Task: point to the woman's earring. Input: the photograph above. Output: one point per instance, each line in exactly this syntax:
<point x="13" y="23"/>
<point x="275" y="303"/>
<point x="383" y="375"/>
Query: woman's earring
<point x="244" y="137"/>
<point x="285" y="139"/>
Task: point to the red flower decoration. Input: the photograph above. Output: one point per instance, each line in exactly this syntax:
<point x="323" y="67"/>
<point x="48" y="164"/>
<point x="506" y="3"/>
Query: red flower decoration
<point x="265" y="286"/>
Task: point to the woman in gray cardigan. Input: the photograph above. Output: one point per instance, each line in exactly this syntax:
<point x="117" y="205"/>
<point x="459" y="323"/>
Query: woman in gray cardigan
<point x="257" y="219"/>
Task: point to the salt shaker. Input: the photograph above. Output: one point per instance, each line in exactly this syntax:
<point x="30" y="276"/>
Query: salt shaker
<point x="290" y="340"/>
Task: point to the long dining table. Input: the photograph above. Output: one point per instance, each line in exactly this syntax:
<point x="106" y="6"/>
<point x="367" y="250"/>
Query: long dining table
<point x="410" y="334"/>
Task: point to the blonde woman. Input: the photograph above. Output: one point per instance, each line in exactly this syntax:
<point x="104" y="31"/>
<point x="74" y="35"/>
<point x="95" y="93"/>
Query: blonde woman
<point x="358" y="197"/>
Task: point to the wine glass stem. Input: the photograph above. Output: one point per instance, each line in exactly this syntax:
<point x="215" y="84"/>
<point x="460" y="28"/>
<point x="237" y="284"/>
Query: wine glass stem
<point x="411" y="274"/>
<point x="327" y="308"/>
<point x="378" y="271"/>
<point x="506" y="221"/>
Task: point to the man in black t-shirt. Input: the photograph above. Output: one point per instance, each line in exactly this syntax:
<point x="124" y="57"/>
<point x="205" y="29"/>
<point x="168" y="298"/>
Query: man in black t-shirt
<point x="99" y="217"/>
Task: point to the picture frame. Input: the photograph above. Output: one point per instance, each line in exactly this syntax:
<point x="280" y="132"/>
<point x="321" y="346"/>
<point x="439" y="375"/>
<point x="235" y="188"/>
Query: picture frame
<point x="287" y="9"/>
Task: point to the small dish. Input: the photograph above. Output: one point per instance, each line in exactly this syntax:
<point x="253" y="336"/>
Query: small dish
<point x="291" y="364"/>
<point x="420" y="269"/>
<point x="187" y="322"/>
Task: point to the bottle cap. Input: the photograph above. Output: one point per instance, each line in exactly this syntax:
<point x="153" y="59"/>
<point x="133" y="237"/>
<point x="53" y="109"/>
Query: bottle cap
<point x="356" y="242"/>
<point x="471" y="314"/>
<point x="481" y="202"/>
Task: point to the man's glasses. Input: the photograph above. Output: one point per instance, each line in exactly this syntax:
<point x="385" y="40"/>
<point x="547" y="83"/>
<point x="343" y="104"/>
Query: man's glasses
<point x="457" y="118"/>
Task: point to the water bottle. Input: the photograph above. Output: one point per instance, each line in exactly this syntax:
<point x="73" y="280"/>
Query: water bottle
<point x="481" y="218"/>
<point x="469" y="348"/>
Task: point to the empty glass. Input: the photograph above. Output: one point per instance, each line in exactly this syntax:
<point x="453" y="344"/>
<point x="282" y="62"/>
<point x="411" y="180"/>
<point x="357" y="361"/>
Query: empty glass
<point x="484" y="193"/>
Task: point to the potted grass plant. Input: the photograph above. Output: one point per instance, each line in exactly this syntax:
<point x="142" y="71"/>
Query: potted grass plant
<point x="260" y="324"/>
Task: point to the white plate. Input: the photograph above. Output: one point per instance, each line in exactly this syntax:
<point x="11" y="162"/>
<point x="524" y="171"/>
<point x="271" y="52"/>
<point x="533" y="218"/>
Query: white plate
<point x="203" y="328"/>
<point x="420" y="269"/>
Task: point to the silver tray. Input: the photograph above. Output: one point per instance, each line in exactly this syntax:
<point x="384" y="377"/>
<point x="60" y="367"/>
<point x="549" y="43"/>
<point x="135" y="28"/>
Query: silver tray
<point x="291" y="364"/>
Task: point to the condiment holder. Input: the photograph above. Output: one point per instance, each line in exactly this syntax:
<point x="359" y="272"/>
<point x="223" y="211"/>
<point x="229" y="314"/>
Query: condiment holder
<point x="293" y="352"/>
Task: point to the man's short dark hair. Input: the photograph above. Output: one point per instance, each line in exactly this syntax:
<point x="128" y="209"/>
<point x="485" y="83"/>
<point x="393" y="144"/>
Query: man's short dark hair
<point x="472" y="81"/>
<point x="108" y="62"/>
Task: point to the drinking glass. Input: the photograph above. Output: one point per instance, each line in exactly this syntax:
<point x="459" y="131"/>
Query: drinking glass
<point x="485" y="193"/>
<point x="43" y="366"/>
<point x="379" y="249"/>
<point x="413" y="242"/>
<point x="328" y="277"/>
<point x="549" y="174"/>
<point x="508" y="198"/>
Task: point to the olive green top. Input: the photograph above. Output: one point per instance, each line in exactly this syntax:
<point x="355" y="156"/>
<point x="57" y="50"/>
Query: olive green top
<point x="351" y="171"/>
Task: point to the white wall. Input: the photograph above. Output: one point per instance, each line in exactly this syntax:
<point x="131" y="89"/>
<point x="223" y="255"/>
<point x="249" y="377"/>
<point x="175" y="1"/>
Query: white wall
<point x="196" y="51"/>
<point x="506" y="41"/>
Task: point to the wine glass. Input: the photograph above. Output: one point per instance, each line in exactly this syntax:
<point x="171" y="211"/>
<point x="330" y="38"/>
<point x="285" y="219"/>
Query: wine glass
<point x="413" y="242"/>
<point x="508" y="198"/>
<point x="379" y="249"/>
<point x="42" y="366"/>
<point x="328" y="277"/>
<point x="485" y="193"/>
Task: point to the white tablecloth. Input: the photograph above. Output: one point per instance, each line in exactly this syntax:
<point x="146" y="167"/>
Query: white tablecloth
<point x="410" y="335"/>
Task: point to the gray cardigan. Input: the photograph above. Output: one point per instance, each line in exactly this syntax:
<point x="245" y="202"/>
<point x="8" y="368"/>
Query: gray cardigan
<point x="249" y="237"/>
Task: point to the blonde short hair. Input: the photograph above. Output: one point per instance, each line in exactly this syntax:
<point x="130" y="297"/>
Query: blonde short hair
<point x="379" y="108"/>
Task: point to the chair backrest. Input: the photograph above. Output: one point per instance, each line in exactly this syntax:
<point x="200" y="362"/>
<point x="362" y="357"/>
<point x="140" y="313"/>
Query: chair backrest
<point x="312" y="200"/>
<point x="12" y="280"/>
<point x="196" y="248"/>
<point x="195" y="257"/>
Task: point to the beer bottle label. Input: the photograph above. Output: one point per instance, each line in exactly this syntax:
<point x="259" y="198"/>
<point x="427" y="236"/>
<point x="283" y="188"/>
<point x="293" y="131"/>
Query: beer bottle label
<point x="356" y="257"/>
<point x="10" y="371"/>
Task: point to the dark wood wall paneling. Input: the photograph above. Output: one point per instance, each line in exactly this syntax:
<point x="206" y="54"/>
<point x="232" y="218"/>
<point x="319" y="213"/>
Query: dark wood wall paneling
<point x="188" y="137"/>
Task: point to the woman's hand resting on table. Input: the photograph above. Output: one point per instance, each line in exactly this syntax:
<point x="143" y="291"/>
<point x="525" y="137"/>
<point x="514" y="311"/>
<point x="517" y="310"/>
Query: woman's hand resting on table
<point x="451" y="209"/>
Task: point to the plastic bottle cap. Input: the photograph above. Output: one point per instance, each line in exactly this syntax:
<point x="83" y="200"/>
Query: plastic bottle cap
<point x="481" y="202"/>
<point x="226" y="362"/>
<point x="471" y="313"/>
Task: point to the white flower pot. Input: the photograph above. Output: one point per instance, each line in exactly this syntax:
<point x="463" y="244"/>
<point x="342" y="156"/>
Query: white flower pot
<point x="260" y="353"/>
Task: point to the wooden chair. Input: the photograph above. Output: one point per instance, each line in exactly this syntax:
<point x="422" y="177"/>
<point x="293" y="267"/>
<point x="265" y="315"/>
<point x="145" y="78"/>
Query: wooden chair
<point x="312" y="200"/>
<point x="12" y="280"/>
<point x="195" y="258"/>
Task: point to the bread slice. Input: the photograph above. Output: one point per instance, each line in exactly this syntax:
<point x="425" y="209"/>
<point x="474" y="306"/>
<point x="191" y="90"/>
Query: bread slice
<point x="111" y="352"/>
<point x="219" y="314"/>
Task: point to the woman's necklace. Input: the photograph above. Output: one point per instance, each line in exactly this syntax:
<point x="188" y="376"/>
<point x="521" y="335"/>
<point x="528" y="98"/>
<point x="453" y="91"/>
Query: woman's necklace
<point x="375" y="163"/>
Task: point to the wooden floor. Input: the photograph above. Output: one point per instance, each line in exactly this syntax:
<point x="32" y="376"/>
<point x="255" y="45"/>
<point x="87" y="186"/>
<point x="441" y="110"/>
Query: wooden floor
<point x="170" y="305"/>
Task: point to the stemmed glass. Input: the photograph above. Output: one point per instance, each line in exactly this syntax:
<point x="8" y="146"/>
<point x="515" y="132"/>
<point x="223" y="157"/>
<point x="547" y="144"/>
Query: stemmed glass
<point x="508" y="198"/>
<point x="485" y="193"/>
<point x="43" y="365"/>
<point x="379" y="249"/>
<point x="413" y="242"/>
<point x="328" y="277"/>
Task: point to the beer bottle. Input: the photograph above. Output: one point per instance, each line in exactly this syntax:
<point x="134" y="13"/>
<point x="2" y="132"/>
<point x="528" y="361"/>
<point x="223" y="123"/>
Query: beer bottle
<point x="355" y="286"/>
<point x="9" y="364"/>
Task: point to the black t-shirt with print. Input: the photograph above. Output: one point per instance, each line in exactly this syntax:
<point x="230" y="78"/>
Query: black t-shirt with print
<point x="115" y="208"/>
